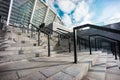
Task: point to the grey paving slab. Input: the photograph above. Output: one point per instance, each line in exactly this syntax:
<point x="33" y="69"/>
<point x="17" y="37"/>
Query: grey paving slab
<point x="77" y="70"/>
<point x="54" y="69"/>
<point x="89" y="59"/>
<point x="34" y="76"/>
<point x="8" y="76"/>
<point x="23" y="73"/>
<point x="113" y="72"/>
<point x="61" y="76"/>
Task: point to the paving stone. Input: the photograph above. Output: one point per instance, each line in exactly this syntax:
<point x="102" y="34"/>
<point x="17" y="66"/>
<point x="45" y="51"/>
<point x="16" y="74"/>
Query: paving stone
<point x="8" y="76"/>
<point x="26" y="72"/>
<point x="34" y="76"/>
<point x="60" y="76"/>
<point x="94" y="75"/>
<point x="77" y="70"/>
<point x="98" y="71"/>
<point x="54" y="69"/>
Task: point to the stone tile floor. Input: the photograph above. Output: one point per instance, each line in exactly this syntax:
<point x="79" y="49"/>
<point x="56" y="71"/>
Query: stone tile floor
<point x="113" y="72"/>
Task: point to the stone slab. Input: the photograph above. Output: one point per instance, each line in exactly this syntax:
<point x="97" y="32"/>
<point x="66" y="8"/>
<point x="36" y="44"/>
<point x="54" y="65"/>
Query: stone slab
<point x="54" y="69"/>
<point x="77" y="70"/>
<point x="61" y="76"/>
<point x="8" y="76"/>
<point x="34" y="76"/>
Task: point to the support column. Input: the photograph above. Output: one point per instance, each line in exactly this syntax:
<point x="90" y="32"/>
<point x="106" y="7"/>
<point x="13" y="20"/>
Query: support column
<point x="48" y="45"/>
<point x="100" y="44"/>
<point x="79" y="44"/>
<point x="69" y="44"/>
<point x="112" y="49"/>
<point x="95" y="45"/>
<point x="118" y="43"/>
<point x="38" y="38"/>
<point x="115" y="51"/>
<point x="85" y="44"/>
<point x="58" y="39"/>
<point x="31" y="31"/>
<point x="75" y="40"/>
<point x="90" y="45"/>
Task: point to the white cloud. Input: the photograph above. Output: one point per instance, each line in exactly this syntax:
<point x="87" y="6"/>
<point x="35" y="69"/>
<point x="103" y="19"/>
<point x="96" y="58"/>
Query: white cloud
<point x="75" y="1"/>
<point x="109" y="13"/>
<point x="87" y="19"/>
<point x="81" y="11"/>
<point x="67" y="20"/>
<point x="113" y="19"/>
<point x="82" y="14"/>
<point x="66" y="5"/>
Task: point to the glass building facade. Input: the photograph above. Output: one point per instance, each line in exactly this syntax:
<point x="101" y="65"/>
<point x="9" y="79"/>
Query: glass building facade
<point x="23" y="12"/>
<point x="4" y="8"/>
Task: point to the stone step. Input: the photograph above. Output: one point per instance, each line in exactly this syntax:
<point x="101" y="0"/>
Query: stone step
<point x="51" y="68"/>
<point x="24" y="48"/>
<point x="73" y="72"/>
<point x="98" y="71"/>
<point x="8" y="53"/>
<point x="113" y="71"/>
<point x="13" y="55"/>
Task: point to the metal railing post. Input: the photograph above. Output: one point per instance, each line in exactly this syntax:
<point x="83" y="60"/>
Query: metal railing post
<point x="90" y="45"/>
<point x="95" y="45"/>
<point x="69" y="43"/>
<point x="75" y="52"/>
<point x="48" y="45"/>
<point x="118" y="49"/>
<point x="112" y="49"/>
<point x="58" y="39"/>
<point x="100" y="44"/>
<point x="115" y="51"/>
<point x="31" y="31"/>
<point x="79" y="44"/>
<point x="38" y="38"/>
<point x="85" y="44"/>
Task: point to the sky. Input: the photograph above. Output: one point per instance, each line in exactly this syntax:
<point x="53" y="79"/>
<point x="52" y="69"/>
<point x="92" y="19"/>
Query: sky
<point x="79" y="12"/>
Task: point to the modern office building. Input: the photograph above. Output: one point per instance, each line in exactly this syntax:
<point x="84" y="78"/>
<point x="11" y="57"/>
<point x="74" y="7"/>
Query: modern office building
<point x="28" y="11"/>
<point x="32" y="50"/>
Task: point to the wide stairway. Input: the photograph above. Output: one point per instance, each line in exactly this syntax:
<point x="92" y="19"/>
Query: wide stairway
<point x="22" y="59"/>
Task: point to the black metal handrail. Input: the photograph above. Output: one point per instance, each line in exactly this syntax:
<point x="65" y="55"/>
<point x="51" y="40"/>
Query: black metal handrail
<point x="91" y="26"/>
<point x="106" y="38"/>
<point x="63" y="34"/>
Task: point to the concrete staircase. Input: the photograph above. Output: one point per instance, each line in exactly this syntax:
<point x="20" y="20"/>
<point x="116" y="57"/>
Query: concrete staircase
<point x="26" y="66"/>
<point x="98" y="71"/>
<point x="59" y="67"/>
<point x="13" y="45"/>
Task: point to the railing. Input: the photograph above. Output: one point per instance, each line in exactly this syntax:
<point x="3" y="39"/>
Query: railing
<point x="91" y="26"/>
<point x="112" y="41"/>
<point x="62" y="34"/>
<point x="48" y="31"/>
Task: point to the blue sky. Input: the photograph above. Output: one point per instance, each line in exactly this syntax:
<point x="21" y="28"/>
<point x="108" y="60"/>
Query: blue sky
<point x="79" y="12"/>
